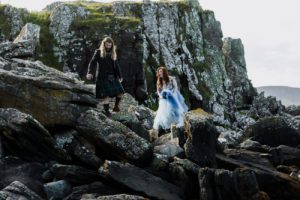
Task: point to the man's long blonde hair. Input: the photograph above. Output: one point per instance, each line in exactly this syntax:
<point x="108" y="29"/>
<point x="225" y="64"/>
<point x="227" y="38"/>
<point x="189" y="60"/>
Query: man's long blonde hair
<point x="113" y="48"/>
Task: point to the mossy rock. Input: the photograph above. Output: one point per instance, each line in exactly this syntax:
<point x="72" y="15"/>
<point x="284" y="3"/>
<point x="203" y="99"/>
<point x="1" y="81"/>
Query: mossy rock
<point x="4" y="23"/>
<point x="204" y="90"/>
<point x="102" y="19"/>
<point x="200" y="112"/>
<point x="45" y="47"/>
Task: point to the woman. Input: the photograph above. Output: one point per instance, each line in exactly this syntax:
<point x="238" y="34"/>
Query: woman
<point x="108" y="75"/>
<point x="171" y="103"/>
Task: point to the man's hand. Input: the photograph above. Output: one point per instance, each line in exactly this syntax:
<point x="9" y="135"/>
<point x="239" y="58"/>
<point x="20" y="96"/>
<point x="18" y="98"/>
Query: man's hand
<point x="89" y="76"/>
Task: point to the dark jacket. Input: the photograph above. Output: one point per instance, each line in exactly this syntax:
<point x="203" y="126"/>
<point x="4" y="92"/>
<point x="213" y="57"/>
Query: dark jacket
<point x="100" y="68"/>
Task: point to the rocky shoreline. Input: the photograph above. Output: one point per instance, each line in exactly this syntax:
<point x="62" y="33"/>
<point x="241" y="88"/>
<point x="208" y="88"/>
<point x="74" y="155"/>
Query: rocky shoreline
<point x="55" y="142"/>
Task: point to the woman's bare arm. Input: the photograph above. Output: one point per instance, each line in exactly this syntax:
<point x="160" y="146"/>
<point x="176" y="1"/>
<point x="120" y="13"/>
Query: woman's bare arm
<point x="158" y="90"/>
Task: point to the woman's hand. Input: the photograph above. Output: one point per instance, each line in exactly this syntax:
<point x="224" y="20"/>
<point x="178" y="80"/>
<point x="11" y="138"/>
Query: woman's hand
<point x="165" y="94"/>
<point x="89" y="76"/>
<point x="120" y="80"/>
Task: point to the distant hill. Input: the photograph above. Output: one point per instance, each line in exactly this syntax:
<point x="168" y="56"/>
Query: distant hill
<point x="288" y="95"/>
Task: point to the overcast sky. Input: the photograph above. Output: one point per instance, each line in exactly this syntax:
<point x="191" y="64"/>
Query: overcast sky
<point x="269" y="31"/>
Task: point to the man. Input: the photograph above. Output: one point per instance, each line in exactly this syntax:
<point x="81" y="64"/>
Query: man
<point x="108" y="74"/>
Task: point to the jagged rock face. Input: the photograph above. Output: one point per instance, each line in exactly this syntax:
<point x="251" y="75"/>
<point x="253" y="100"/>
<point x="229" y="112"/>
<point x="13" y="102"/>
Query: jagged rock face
<point x="48" y="95"/>
<point x="78" y="33"/>
<point x="200" y="146"/>
<point x="205" y="73"/>
<point x="52" y="6"/>
<point x="274" y="131"/>
<point x="22" y="49"/>
<point x="12" y="22"/>
<point x="29" y="32"/>
<point x="78" y="148"/>
<point x="25" y="137"/>
<point x="265" y="107"/>
<point x="136" y="117"/>
<point x="179" y="35"/>
<point x="17" y="190"/>
<point x="214" y="80"/>
<point x="112" y="136"/>
<point x="130" y="59"/>
<point x="58" y="119"/>
<point x="168" y="28"/>
<point x="293" y="110"/>
<point x="62" y="17"/>
<point x="15" y="169"/>
<point x="241" y="88"/>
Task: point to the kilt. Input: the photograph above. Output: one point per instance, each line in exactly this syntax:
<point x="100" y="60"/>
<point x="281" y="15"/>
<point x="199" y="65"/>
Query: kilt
<point x="108" y="88"/>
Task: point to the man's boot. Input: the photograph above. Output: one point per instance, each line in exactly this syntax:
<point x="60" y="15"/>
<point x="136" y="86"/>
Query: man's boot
<point x="106" y="110"/>
<point x="117" y="102"/>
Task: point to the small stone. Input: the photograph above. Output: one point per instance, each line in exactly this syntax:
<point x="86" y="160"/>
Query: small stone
<point x="47" y="176"/>
<point x="58" y="189"/>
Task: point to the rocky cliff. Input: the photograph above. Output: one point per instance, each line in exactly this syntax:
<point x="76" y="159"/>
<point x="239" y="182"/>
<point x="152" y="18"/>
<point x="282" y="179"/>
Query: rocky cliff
<point x="181" y="35"/>
<point x="55" y="143"/>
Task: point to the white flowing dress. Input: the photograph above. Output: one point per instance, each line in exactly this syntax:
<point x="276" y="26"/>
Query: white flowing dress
<point x="171" y="107"/>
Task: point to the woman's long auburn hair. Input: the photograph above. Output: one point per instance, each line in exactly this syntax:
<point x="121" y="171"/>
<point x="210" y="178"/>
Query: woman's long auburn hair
<point x="103" y="50"/>
<point x="159" y="82"/>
